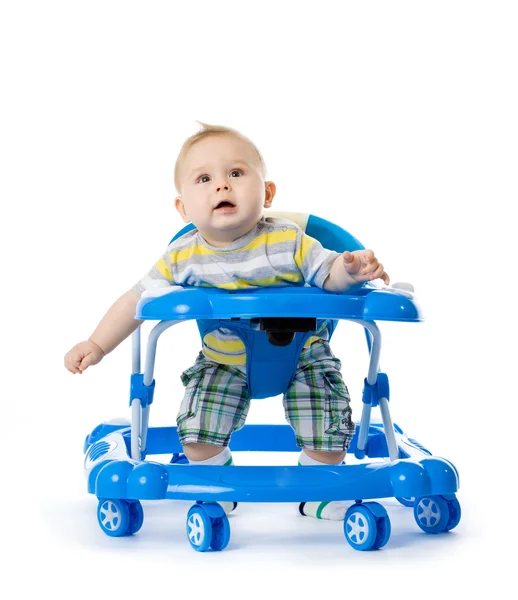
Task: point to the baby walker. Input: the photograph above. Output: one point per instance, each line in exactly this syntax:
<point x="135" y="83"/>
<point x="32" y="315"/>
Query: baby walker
<point x="116" y="454"/>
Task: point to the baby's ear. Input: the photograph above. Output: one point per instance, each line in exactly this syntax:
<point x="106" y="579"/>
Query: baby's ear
<point x="270" y="189"/>
<point x="180" y="207"/>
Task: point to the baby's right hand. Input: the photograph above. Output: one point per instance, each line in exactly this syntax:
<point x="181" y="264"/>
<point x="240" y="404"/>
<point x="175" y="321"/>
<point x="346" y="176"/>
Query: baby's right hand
<point x="82" y="356"/>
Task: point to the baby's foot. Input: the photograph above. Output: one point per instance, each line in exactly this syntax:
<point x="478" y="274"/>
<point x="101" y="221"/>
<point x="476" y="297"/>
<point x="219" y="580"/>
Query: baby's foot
<point x="332" y="511"/>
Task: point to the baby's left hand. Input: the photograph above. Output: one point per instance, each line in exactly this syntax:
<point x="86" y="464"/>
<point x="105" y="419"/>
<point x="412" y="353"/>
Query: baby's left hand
<point x="362" y="266"/>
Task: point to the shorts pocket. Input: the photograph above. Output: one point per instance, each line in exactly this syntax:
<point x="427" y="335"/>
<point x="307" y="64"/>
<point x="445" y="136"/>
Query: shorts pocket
<point x="338" y="413"/>
<point x="192" y="379"/>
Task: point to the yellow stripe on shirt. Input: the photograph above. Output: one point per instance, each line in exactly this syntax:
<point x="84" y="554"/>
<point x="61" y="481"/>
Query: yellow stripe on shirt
<point x="268" y="238"/>
<point x="305" y="244"/>
<point x="224" y="359"/>
<point x="164" y="269"/>
<point x="177" y="256"/>
<point x="224" y="345"/>
<point x="243" y="284"/>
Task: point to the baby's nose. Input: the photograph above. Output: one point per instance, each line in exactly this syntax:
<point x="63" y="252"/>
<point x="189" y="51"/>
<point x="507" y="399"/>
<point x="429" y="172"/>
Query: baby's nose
<point x="223" y="184"/>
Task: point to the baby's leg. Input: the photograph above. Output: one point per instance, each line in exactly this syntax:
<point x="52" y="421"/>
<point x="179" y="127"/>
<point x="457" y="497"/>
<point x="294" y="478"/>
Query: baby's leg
<point x="215" y="404"/>
<point x="204" y="453"/>
<point x="327" y="458"/>
<point x="317" y="405"/>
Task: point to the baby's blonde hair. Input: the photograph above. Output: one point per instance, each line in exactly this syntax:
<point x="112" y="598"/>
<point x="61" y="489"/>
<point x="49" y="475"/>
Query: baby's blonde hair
<point x="204" y="132"/>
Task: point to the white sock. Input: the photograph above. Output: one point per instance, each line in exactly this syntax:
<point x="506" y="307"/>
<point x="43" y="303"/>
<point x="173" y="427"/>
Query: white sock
<point x="223" y="459"/>
<point x="307" y="461"/>
<point x="332" y="511"/>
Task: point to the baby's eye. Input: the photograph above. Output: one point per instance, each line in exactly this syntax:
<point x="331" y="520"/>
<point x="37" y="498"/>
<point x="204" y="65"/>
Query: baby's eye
<point x="203" y="178"/>
<point x="238" y="171"/>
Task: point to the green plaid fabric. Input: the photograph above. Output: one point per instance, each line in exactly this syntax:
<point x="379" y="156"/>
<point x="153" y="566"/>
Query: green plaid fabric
<point x="317" y="403"/>
<point x="215" y="403"/>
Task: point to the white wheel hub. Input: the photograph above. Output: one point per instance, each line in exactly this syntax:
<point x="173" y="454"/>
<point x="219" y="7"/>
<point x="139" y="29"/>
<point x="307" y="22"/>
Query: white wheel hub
<point x="109" y="514"/>
<point x="429" y="513"/>
<point x="356" y="526"/>
<point x="196" y="529"/>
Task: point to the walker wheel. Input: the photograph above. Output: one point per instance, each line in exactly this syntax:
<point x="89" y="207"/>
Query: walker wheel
<point x="384" y="530"/>
<point x="432" y="514"/>
<point x="220" y="533"/>
<point x="199" y="528"/>
<point x="360" y="527"/>
<point x="136" y="514"/>
<point x="113" y="517"/>
<point x="205" y="531"/>
<point x="455" y="512"/>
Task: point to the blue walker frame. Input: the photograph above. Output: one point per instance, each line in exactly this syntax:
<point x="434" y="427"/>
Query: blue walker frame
<point x="120" y="476"/>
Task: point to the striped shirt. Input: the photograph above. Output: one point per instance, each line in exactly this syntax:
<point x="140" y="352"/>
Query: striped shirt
<point x="275" y="253"/>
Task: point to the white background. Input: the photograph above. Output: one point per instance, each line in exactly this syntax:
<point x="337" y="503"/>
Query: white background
<point x="397" y="120"/>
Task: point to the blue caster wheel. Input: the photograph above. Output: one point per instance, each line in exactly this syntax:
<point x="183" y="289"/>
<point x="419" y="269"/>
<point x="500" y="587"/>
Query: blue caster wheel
<point x="136" y="517"/>
<point x="432" y="513"/>
<point x="207" y="527"/>
<point x="384" y="530"/>
<point x="454" y="510"/>
<point x="406" y="501"/>
<point x="360" y="527"/>
<point x="367" y="526"/>
<point x="113" y="517"/>
<point x="220" y="533"/>
<point x="199" y="528"/>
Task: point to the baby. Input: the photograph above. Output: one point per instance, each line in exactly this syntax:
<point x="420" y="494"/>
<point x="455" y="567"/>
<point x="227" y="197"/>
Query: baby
<point x="220" y="177"/>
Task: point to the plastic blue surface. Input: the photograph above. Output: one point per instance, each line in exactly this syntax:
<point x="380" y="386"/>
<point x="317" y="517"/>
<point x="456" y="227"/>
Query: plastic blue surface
<point x="251" y="438"/>
<point x="210" y="303"/>
<point x="373" y="392"/>
<point x="138" y="389"/>
<point x="148" y="480"/>
<point x="279" y="362"/>
<point x="156" y="481"/>
<point x="331" y="235"/>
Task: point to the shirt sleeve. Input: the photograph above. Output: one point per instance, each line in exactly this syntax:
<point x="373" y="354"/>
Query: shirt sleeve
<point x="160" y="275"/>
<point x="313" y="260"/>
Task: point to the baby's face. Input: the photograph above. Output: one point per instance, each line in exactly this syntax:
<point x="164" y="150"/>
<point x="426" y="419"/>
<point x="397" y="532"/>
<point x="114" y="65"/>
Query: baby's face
<point x="223" y="190"/>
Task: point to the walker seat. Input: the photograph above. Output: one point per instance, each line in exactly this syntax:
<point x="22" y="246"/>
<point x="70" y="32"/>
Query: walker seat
<point x="273" y="323"/>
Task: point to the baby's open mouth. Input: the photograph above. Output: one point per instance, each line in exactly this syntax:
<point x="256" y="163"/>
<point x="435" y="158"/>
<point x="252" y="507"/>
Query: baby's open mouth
<point x="224" y="204"/>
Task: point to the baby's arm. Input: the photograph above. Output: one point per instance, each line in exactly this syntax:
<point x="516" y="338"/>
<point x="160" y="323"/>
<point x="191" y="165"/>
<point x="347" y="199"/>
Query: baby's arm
<point x="116" y="325"/>
<point x="332" y="271"/>
<point x="351" y="270"/>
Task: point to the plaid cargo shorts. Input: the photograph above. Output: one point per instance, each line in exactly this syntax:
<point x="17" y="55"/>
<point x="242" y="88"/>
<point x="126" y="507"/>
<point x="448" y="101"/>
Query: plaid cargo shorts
<point x="316" y="405"/>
